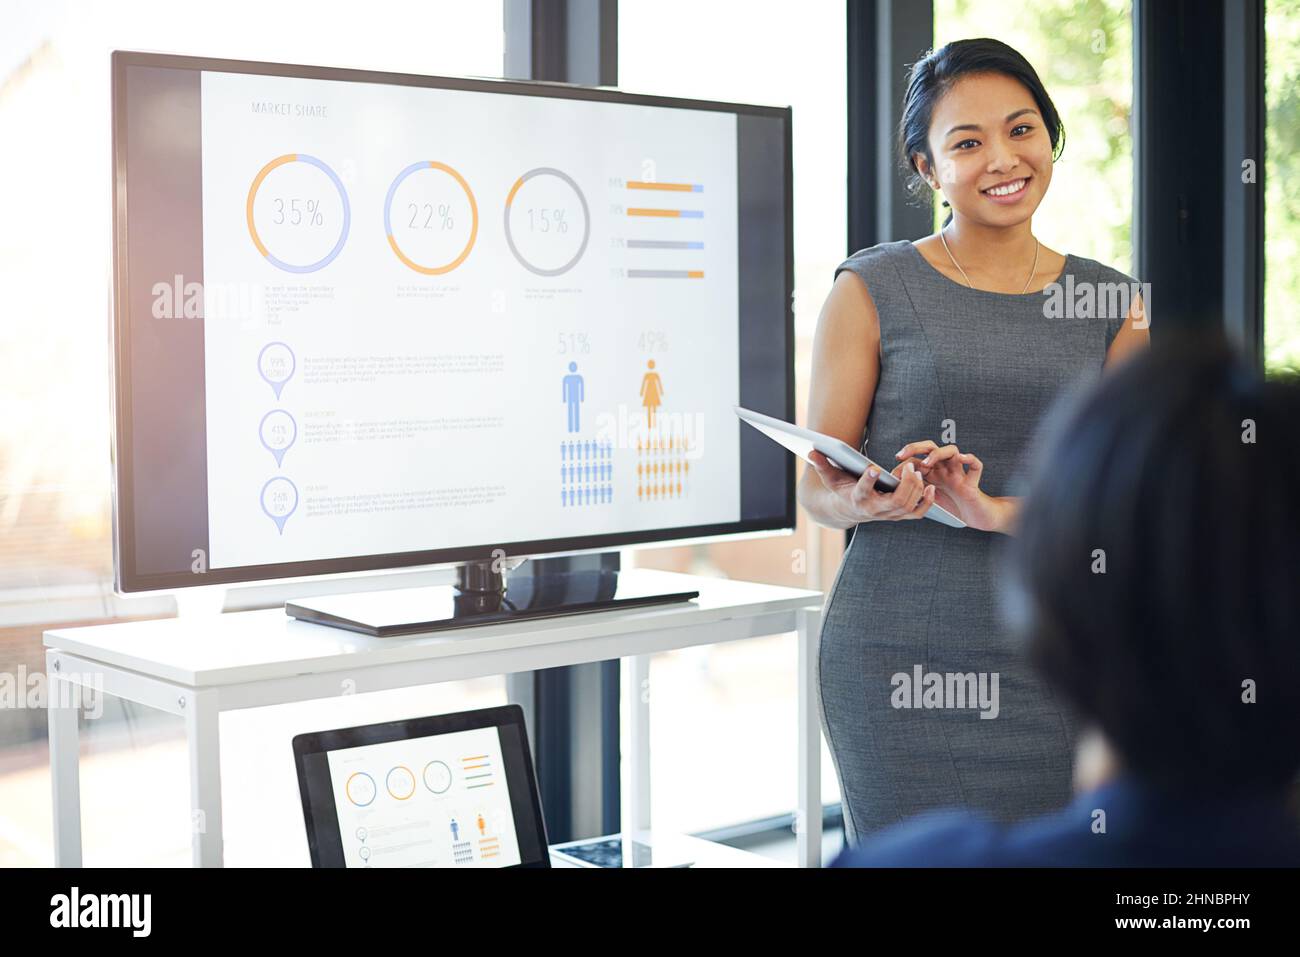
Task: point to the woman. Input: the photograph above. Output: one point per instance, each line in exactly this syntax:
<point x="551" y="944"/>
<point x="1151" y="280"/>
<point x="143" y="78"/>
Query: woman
<point x="946" y="350"/>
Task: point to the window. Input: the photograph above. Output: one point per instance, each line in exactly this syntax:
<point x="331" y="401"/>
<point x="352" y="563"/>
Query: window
<point x="55" y="229"/>
<point x="1281" y="198"/>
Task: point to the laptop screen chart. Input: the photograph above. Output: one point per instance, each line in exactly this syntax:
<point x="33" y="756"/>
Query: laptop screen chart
<point x="437" y="801"/>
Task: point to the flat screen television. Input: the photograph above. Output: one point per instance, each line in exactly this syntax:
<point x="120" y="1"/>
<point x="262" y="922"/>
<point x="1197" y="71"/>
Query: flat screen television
<point x="373" y="320"/>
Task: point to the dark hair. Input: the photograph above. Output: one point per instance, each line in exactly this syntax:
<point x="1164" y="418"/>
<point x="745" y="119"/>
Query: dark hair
<point x="1179" y="472"/>
<point x="932" y="76"/>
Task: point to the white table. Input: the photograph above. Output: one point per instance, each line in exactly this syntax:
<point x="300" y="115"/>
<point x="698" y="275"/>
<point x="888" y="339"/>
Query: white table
<point x="199" y="667"/>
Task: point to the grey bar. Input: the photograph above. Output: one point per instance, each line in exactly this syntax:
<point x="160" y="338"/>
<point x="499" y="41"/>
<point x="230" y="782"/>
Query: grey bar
<point x="663" y="244"/>
<point x="659" y="273"/>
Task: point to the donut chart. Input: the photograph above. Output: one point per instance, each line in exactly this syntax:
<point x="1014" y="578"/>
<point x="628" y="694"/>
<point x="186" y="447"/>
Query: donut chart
<point x="361" y="789"/>
<point x="400" y="782"/>
<point x="432" y="205"/>
<point x="437" y="777"/>
<point x="302" y="213"/>
<point x="547" y="231"/>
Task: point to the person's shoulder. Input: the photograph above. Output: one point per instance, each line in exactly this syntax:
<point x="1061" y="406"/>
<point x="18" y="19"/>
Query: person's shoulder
<point x="1094" y="270"/>
<point x="867" y="261"/>
<point x="1113" y="295"/>
<point x="945" y="838"/>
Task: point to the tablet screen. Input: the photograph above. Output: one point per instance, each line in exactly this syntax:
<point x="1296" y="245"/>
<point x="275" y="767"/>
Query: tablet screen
<point x="448" y="791"/>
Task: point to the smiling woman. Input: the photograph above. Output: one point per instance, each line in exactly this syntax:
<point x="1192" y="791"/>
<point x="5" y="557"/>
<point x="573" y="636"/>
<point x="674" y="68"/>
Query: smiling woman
<point x="929" y="344"/>
<point x="1082" y="51"/>
<point x="986" y="140"/>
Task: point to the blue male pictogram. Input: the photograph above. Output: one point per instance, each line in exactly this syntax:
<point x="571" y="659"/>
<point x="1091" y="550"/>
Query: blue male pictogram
<point x="573" y="394"/>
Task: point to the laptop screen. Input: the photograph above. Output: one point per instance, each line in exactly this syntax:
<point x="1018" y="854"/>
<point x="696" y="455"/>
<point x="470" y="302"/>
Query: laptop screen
<point x="446" y="791"/>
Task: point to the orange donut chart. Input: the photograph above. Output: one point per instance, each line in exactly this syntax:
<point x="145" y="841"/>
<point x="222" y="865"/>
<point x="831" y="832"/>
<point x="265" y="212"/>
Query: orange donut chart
<point x="354" y="798"/>
<point x="388" y="782"/>
<point x="252" y="225"/>
<point x="388" y="218"/>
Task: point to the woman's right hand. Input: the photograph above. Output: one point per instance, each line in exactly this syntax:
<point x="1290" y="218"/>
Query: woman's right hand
<point x="856" y="499"/>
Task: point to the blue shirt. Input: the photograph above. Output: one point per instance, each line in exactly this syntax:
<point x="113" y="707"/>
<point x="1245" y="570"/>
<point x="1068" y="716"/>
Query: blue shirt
<point x="1143" y="827"/>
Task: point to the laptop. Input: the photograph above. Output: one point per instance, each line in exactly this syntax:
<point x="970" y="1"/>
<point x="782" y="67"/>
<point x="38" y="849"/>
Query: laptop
<point x="451" y="790"/>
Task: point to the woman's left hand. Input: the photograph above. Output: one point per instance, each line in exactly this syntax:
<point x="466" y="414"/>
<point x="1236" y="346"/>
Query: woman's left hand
<point x="956" y="477"/>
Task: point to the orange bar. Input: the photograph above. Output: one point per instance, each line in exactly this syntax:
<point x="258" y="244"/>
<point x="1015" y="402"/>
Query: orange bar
<point x="672" y="187"/>
<point x="636" y="211"/>
<point x="695" y="274"/>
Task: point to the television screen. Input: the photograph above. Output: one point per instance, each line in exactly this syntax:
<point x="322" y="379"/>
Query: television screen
<point x="369" y="320"/>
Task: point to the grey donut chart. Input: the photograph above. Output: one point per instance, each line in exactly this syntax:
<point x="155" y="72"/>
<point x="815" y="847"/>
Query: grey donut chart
<point x="586" y="221"/>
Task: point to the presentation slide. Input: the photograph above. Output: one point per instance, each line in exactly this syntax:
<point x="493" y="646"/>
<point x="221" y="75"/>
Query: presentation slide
<point x="437" y="801"/>
<point x="478" y="317"/>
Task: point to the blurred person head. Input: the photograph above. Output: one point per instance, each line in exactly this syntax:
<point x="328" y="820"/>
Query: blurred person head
<point x="1156" y="571"/>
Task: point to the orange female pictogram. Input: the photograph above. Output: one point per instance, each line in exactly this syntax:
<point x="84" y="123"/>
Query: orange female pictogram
<point x="652" y="392"/>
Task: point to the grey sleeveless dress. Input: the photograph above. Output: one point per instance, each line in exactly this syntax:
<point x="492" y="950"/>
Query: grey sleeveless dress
<point x="918" y="593"/>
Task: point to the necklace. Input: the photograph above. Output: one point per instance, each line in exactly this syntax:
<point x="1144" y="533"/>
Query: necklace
<point x="1032" y="269"/>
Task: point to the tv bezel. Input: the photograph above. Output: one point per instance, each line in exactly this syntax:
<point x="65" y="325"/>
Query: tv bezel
<point x="127" y="580"/>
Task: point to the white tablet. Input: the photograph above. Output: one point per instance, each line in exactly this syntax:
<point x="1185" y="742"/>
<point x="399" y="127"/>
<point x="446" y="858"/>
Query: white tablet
<point x="802" y="441"/>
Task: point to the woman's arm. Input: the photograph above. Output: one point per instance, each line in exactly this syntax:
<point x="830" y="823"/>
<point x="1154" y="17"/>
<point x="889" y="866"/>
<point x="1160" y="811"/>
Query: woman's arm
<point x="845" y="369"/>
<point x="1133" y="336"/>
<point x="1010" y="508"/>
